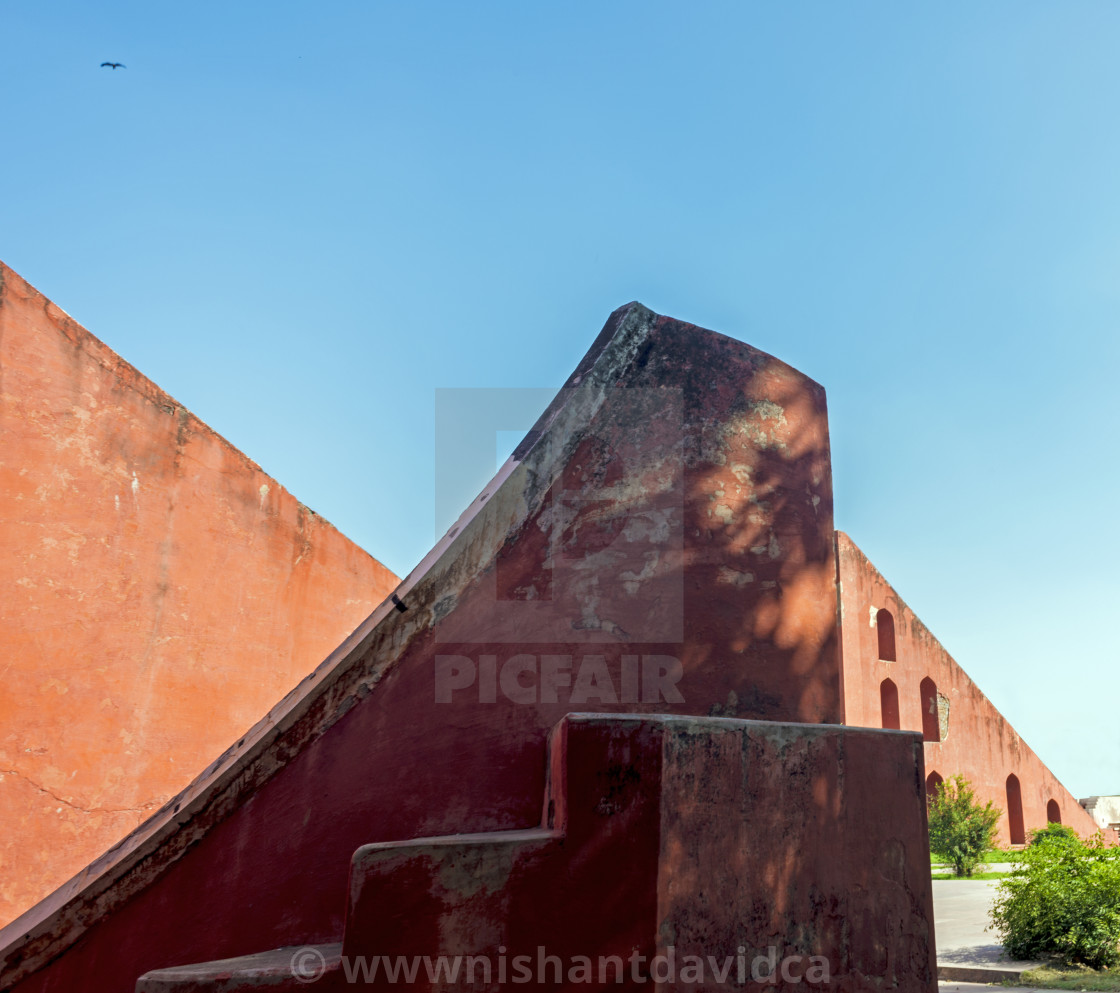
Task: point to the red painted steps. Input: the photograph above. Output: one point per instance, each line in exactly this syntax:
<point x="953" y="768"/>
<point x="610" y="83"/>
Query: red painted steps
<point x="665" y="843"/>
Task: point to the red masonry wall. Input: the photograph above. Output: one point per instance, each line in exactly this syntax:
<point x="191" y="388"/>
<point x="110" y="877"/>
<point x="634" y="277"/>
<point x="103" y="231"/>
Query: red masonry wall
<point x="975" y="739"/>
<point x="674" y="503"/>
<point x="161" y="592"/>
<point x="654" y="850"/>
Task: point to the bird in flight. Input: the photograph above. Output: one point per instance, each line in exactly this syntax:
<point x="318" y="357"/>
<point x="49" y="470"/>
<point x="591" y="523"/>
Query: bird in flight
<point x="113" y="65"/>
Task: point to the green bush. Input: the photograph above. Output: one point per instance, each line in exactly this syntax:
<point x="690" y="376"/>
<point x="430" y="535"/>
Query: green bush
<point x="1062" y="899"/>
<point x="1055" y="834"/>
<point x="960" y="829"/>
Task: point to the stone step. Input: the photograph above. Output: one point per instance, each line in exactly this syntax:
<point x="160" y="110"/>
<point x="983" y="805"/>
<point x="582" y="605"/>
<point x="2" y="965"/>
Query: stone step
<point x="992" y="974"/>
<point x="646" y="859"/>
<point x="283" y="969"/>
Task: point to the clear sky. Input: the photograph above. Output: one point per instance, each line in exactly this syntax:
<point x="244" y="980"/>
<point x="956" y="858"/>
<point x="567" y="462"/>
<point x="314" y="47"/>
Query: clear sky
<point x="302" y="219"/>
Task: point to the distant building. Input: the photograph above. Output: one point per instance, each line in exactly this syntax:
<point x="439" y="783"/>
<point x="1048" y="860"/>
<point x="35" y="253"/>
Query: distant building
<point x="1105" y="810"/>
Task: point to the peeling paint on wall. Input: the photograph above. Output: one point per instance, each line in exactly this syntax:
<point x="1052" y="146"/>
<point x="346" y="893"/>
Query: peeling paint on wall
<point x="943" y="715"/>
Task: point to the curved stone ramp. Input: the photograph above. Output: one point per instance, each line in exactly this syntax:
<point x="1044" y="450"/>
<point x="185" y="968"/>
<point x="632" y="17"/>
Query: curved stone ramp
<point x="661" y="542"/>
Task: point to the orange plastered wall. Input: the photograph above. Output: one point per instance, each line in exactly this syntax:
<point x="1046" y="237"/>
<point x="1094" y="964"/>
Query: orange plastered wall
<point x="160" y="593"/>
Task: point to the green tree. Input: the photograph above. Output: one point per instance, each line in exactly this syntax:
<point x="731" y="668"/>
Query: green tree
<point x="1062" y="899"/>
<point x="960" y="829"/>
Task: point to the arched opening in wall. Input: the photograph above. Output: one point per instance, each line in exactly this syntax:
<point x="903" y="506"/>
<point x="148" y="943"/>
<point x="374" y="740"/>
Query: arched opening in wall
<point x="884" y="625"/>
<point x="933" y="780"/>
<point x="1015" y="811"/>
<point x="931" y="727"/>
<point x="888" y="700"/>
<point x="1053" y="812"/>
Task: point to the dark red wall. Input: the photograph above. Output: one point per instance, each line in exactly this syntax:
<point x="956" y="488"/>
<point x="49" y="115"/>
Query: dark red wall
<point x="675" y="501"/>
<point x="656" y="850"/>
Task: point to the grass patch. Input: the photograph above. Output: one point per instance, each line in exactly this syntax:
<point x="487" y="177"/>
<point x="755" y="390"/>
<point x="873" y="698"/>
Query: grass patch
<point x="975" y="875"/>
<point x="996" y="855"/>
<point x="1070" y="977"/>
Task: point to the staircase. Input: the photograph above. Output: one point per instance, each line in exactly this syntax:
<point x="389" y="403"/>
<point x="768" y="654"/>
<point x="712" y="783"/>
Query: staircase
<point x="688" y="852"/>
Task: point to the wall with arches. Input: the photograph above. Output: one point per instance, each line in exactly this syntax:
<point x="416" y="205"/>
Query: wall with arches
<point x="896" y="674"/>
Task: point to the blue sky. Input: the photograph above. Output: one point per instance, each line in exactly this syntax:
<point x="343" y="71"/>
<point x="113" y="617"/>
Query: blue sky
<point x="303" y="220"/>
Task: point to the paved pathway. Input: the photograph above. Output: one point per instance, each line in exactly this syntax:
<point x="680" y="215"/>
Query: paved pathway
<point x="966" y="950"/>
<point x="983" y="988"/>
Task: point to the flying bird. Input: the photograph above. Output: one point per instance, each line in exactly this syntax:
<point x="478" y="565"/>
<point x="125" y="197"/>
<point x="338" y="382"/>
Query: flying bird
<point x="113" y="65"/>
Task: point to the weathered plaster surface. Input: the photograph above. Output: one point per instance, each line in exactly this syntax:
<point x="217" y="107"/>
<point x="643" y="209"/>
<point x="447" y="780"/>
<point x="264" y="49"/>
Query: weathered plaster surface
<point x="708" y="841"/>
<point x="161" y="593"/>
<point x="613" y="487"/>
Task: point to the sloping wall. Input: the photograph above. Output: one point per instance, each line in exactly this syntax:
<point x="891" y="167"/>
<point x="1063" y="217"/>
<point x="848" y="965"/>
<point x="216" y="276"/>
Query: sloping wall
<point x="975" y="739"/>
<point x="160" y="593"/>
<point x="661" y="543"/>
